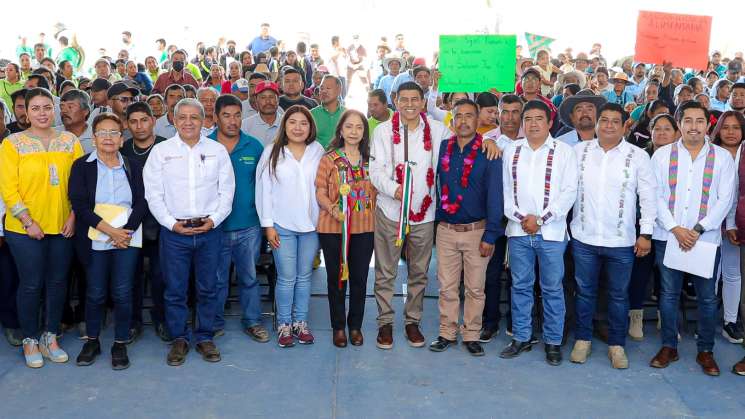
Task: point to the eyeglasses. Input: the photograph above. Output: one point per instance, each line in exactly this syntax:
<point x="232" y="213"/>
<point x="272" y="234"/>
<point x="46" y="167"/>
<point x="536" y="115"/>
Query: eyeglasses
<point x="108" y="134"/>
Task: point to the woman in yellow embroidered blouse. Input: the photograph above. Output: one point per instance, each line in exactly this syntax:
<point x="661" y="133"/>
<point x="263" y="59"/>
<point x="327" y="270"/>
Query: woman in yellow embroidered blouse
<point x="34" y="169"/>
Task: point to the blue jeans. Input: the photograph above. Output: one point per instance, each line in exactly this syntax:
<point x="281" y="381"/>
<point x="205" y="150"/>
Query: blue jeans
<point x="115" y="270"/>
<point x="242" y="248"/>
<point x="523" y="252"/>
<point x="42" y="265"/>
<point x="177" y="254"/>
<point x="294" y="260"/>
<point x="618" y="263"/>
<point x="671" y="282"/>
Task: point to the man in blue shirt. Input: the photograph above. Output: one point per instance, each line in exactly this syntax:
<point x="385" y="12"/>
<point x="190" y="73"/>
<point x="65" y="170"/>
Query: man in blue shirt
<point x="469" y="212"/>
<point x="241" y="230"/>
<point x="262" y="42"/>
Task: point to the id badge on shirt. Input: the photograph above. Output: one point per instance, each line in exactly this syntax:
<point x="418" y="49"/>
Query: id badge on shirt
<point x="53" y="175"/>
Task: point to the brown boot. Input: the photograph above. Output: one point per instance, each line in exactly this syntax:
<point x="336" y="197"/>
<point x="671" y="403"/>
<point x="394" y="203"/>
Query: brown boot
<point x="177" y="354"/>
<point x="209" y="351"/>
<point x="708" y="364"/>
<point x="739" y="368"/>
<point x="355" y="337"/>
<point x="664" y="357"/>
<point x="385" y="337"/>
<point x="414" y="336"/>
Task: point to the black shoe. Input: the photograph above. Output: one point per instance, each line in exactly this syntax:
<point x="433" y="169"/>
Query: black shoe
<point x="534" y="340"/>
<point x="91" y="349"/>
<point x="474" y="348"/>
<point x="134" y="333"/>
<point x="515" y="348"/>
<point x="487" y="335"/>
<point x="119" y="358"/>
<point x="553" y="354"/>
<point x="732" y="333"/>
<point x="160" y="330"/>
<point x="441" y="344"/>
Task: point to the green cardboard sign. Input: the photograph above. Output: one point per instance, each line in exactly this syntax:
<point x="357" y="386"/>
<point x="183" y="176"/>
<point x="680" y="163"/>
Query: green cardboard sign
<point x="477" y="63"/>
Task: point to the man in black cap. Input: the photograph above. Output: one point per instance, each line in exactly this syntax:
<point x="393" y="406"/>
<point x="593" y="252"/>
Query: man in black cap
<point x="99" y="97"/>
<point x="734" y="70"/>
<point x="579" y="113"/>
<point x="120" y="95"/>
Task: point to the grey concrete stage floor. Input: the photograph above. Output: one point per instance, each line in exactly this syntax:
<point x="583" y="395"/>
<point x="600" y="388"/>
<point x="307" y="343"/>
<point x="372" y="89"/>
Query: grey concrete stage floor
<point x="321" y="381"/>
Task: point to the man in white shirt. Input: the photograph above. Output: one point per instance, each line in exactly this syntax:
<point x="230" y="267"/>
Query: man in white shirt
<point x="540" y="186"/>
<point x="165" y="125"/>
<point x="189" y="186"/>
<point x="695" y="184"/>
<point x="612" y="173"/>
<point x="407" y="136"/>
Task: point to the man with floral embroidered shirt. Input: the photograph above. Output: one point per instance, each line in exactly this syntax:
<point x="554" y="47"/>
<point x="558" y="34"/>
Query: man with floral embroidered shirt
<point x="611" y="174"/>
<point x="469" y="213"/>
<point x="539" y="181"/>
<point x="695" y="187"/>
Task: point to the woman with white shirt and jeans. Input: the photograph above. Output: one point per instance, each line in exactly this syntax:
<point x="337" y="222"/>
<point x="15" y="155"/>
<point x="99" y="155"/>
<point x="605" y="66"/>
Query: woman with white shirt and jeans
<point x="288" y="210"/>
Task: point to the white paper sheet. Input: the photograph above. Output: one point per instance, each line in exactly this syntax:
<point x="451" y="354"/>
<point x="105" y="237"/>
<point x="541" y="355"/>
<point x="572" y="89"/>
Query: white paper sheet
<point x="698" y="261"/>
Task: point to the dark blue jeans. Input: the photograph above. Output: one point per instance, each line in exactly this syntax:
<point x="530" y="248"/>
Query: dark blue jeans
<point x="110" y="270"/>
<point x="671" y="285"/>
<point x="42" y="265"/>
<point x="242" y="248"/>
<point x="617" y="263"/>
<point x="177" y="254"/>
<point x="8" y="290"/>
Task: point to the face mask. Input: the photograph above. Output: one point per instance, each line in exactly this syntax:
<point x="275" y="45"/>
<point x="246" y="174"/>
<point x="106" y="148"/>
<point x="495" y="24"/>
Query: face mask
<point x="231" y="50"/>
<point x="201" y="51"/>
<point x="178" y="65"/>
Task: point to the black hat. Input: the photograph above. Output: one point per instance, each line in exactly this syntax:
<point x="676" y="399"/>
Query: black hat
<point x="100" y="84"/>
<point x="121" y="87"/>
<point x="568" y="104"/>
<point x="735" y="65"/>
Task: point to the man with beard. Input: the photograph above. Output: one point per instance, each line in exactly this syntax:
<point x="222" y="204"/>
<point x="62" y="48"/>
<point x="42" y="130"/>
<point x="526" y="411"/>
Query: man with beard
<point x="580" y="113"/>
<point x="75" y="108"/>
<point x="264" y="125"/>
<point x="18" y="98"/>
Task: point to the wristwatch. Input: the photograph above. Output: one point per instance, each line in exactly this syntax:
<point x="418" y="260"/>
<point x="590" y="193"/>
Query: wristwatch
<point x="539" y="221"/>
<point x="646" y="236"/>
<point x="698" y="228"/>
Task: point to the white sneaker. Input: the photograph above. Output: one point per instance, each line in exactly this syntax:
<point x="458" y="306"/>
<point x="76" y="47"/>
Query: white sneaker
<point x="50" y="348"/>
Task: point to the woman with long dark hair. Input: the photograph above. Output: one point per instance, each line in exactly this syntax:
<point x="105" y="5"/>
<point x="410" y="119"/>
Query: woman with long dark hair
<point x="346" y="223"/>
<point x="728" y="134"/>
<point x="288" y="210"/>
<point x="640" y="135"/>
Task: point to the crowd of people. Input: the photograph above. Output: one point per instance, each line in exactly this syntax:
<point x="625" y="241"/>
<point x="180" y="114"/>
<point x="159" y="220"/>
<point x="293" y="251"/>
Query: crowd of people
<point x="577" y="189"/>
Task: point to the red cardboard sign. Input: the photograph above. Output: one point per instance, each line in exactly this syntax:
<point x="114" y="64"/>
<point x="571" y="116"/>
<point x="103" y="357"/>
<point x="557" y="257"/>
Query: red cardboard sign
<point x="680" y="39"/>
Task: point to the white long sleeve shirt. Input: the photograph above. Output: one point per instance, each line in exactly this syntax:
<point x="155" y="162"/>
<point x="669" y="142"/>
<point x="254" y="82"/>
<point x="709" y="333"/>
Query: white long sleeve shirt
<point x="183" y="182"/>
<point x="531" y="175"/>
<point x="730" y="222"/>
<point x="287" y="196"/>
<point x="609" y="182"/>
<point x="689" y="191"/>
<point x="385" y="156"/>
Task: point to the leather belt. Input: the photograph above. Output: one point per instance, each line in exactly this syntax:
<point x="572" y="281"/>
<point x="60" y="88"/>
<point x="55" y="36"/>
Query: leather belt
<point x="192" y="222"/>
<point x="462" y="228"/>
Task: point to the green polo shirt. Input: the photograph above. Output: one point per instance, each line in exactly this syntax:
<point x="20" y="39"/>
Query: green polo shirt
<point x="372" y="122"/>
<point x="245" y="158"/>
<point x="6" y="89"/>
<point x="326" y="123"/>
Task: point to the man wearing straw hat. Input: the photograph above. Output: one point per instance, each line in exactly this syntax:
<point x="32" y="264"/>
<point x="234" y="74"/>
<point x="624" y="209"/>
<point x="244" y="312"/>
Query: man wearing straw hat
<point x="619" y="94"/>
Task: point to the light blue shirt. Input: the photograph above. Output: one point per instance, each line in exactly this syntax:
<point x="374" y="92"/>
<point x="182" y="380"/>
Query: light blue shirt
<point x="386" y="83"/>
<point x="622" y="99"/>
<point x="256" y="127"/>
<point x="399" y="80"/>
<point x="637" y="89"/>
<point x="164" y="128"/>
<point x="112" y="187"/>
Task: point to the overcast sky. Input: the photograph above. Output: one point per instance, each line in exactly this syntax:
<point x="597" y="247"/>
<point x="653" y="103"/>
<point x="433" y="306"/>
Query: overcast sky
<point x="575" y="24"/>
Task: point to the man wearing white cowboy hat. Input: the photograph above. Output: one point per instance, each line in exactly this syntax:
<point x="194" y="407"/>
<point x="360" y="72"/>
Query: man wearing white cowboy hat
<point x="579" y="115"/>
<point x="393" y="66"/>
<point x="619" y="94"/>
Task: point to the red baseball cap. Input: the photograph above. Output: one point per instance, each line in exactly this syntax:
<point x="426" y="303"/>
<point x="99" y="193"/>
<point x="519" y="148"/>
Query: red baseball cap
<point x="266" y="85"/>
<point x="419" y="61"/>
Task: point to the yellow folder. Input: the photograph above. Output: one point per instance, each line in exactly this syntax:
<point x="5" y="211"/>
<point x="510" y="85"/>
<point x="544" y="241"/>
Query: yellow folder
<point x="117" y="217"/>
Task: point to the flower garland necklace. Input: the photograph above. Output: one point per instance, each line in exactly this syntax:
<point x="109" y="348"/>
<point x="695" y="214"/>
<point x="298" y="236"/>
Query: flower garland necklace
<point x="427" y="201"/>
<point x="449" y="206"/>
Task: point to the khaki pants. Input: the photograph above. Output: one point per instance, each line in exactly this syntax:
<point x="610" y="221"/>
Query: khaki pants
<point x="387" y="255"/>
<point x="459" y="252"/>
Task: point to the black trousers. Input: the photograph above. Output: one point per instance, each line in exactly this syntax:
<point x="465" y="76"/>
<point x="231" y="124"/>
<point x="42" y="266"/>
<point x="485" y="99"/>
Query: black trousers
<point x="8" y="289"/>
<point x="493" y="287"/>
<point x="154" y="276"/>
<point x="360" y="253"/>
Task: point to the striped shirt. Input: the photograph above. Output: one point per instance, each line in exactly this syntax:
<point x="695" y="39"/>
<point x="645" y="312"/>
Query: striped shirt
<point x="327" y="193"/>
